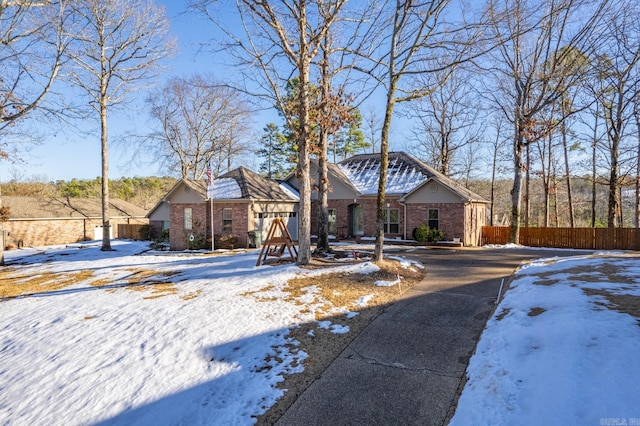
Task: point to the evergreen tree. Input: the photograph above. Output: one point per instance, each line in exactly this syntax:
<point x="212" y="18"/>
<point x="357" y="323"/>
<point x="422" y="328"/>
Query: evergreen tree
<point x="349" y="139"/>
<point x="278" y="152"/>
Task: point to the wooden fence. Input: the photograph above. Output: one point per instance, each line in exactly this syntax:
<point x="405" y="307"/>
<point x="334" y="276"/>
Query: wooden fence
<point x="578" y="238"/>
<point x="130" y="231"/>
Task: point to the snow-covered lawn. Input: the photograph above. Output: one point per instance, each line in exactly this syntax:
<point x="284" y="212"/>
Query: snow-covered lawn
<point x="135" y="337"/>
<point x="563" y="347"/>
<point x="139" y="337"/>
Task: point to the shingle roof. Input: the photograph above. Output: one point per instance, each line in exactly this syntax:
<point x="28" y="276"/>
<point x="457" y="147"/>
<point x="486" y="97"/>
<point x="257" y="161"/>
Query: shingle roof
<point x="405" y="174"/>
<point x="242" y="183"/>
<point x="60" y="207"/>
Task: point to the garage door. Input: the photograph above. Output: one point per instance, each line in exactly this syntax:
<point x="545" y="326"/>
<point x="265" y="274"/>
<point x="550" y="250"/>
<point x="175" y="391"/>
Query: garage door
<point x="262" y="222"/>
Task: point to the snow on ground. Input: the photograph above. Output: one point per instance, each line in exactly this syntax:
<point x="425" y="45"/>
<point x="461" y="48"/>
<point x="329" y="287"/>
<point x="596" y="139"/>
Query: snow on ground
<point x="561" y="348"/>
<point x="184" y="338"/>
<point x="146" y="338"/>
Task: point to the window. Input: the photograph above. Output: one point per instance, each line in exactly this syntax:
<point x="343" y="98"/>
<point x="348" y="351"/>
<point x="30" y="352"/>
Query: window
<point x="188" y="218"/>
<point x="227" y="216"/>
<point x="433" y="218"/>
<point x="332" y="222"/>
<point x="392" y="221"/>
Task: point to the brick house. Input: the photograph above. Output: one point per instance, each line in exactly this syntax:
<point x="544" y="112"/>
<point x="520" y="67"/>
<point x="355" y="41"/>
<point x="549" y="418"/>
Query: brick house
<point x="415" y="194"/>
<point x="42" y="221"/>
<point x="243" y="201"/>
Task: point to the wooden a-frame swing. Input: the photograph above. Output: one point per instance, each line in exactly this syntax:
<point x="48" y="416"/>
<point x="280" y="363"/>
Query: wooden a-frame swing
<point x="274" y="245"/>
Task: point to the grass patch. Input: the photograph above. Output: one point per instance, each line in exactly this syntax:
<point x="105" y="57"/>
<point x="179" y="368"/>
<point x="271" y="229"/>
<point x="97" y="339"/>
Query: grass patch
<point x="28" y="285"/>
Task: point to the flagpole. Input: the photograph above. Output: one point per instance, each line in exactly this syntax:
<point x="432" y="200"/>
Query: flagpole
<point x="209" y="174"/>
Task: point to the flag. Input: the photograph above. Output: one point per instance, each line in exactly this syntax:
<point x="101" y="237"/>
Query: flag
<point x="209" y="182"/>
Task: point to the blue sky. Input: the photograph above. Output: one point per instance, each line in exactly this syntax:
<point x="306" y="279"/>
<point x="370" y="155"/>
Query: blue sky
<point x="66" y="154"/>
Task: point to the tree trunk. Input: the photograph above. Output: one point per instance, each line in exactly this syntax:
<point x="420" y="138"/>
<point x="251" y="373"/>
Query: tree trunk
<point x="547" y="201"/>
<point x="594" y="151"/>
<point x="516" y="190"/>
<point x="613" y="204"/>
<point x="323" y="190"/>
<point x="323" y="172"/>
<point x="636" y="218"/>
<point x="493" y="181"/>
<point x="106" y="226"/>
<point x="563" y="129"/>
<point x="527" y="187"/>
<point x="304" y="225"/>
<point x="384" y="166"/>
<point x="554" y="193"/>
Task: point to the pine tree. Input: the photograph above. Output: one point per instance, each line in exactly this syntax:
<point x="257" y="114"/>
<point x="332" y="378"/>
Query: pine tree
<point x="278" y="153"/>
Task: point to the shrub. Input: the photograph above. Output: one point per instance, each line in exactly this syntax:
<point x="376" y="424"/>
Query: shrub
<point x="4" y="214"/>
<point x="147" y="233"/>
<point x="226" y="242"/>
<point x="198" y="242"/>
<point x="162" y="242"/>
<point x="425" y="234"/>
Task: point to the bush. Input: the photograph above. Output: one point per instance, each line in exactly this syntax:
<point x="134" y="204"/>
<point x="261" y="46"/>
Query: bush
<point x="147" y="233"/>
<point x="226" y="241"/>
<point x="162" y="242"/>
<point x="4" y="214"/>
<point x="425" y="234"/>
<point x="198" y="242"/>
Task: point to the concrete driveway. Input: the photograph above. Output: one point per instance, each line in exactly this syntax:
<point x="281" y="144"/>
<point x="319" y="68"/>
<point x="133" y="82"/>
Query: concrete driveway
<point x="406" y="366"/>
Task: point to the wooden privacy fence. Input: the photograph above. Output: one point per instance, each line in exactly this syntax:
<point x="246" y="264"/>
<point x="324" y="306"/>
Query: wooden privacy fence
<point x="130" y="231"/>
<point x="578" y="238"/>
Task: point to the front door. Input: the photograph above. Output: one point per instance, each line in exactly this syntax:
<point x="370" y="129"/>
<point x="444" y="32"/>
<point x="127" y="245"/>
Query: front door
<point x="358" y="220"/>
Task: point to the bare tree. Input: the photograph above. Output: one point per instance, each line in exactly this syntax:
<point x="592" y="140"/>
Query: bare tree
<point x="372" y="128"/>
<point x="536" y="45"/>
<point x="198" y="122"/>
<point x="497" y="146"/>
<point x="417" y="40"/>
<point x="118" y="43"/>
<point x="447" y="121"/>
<point x="32" y="47"/>
<point x="617" y="62"/>
<point x="335" y="110"/>
<point x="279" y="40"/>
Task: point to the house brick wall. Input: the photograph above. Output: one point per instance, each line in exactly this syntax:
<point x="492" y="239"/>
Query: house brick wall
<point x="178" y="236"/>
<point x="201" y="221"/>
<point x="451" y="218"/>
<point x="344" y="216"/>
<point x="58" y="231"/>
<point x="239" y="223"/>
<point x="457" y="220"/>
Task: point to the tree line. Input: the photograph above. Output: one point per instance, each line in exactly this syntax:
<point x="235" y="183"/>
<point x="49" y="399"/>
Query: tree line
<point x="538" y="91"/>
<point x="144" y="192"/>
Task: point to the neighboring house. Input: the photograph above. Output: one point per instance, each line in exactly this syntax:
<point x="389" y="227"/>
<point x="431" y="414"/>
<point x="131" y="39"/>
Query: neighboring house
<point x="415" y="194"/>
<point x="243" y="202"/>
<point x="41" y="221"/>
<point x="159" y="217"/>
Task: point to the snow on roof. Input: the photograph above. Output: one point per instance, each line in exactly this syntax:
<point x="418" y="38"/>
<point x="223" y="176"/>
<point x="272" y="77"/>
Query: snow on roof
<point x="364" y="173"/>
<point x="226" y="188"/>
<point x="290" y="190"/>
<point x="242" y="183"/>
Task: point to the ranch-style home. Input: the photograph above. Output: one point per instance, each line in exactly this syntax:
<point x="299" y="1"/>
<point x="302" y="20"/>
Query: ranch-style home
<point x="42" y="221"/>
<point x="415" y="194"/>
<point x="243" y="202"/>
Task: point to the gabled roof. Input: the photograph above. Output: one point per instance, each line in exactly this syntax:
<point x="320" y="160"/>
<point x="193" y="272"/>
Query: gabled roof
<point x="339" y="175"/>
<point x="240" y="183"/>
<point x="67" y="208"/>
<point x="405" y="174"/>
<point x="252" y="186"/>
